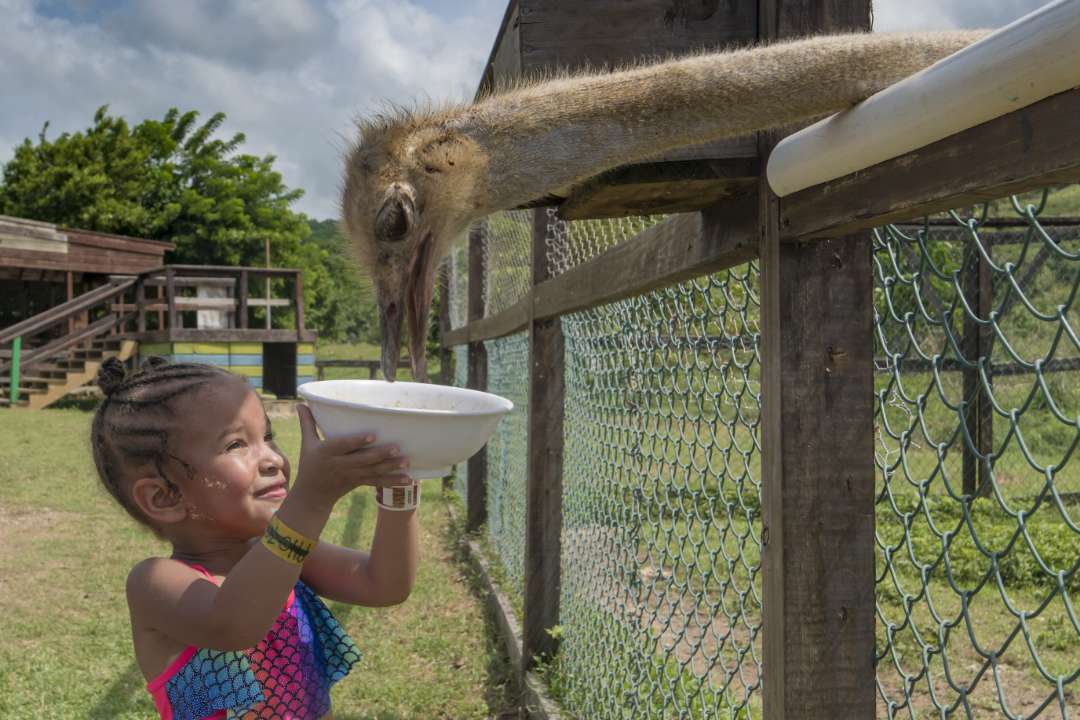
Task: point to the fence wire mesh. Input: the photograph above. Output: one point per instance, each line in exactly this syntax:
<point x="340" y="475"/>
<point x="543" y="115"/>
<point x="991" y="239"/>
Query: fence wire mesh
<point x="461" y="379"/>
<point x="458" y="285"/>
<point x="977" y="422"/>
<point x="507" y="259"/>
<point x="660" y="604"/>
<point x="508" y="376"/>
<point x="978" y="419"/>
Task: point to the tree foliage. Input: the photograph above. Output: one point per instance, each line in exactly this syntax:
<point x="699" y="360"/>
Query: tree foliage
<point x="174" y="179"/>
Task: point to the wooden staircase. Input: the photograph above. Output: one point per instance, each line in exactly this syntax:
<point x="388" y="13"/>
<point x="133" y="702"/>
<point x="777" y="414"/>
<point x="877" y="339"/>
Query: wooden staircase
<point x="61" y="349"/>
<point x="48" y="382"/>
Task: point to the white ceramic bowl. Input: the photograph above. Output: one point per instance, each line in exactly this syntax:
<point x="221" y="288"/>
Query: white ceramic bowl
<point x="435" y="426"/>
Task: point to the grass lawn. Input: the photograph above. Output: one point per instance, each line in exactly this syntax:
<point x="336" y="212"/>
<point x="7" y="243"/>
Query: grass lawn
<point x="66" y="547"/>
<point x="361" y="351"/>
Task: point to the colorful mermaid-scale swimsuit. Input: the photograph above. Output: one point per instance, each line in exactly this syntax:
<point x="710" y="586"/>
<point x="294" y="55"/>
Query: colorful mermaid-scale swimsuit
<point x="287" y="676"/>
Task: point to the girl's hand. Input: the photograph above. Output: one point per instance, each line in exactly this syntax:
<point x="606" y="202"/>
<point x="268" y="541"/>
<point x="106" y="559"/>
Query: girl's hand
<point x="329" y="469"/>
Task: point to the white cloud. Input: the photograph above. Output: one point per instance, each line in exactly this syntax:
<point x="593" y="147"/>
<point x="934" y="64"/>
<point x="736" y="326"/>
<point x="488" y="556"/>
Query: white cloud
<point x="943" y="14"/>
<point x="291" y="76"/>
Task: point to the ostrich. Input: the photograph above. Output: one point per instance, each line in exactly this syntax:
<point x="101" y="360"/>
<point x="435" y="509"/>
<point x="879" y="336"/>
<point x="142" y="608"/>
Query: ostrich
<point x="415" y="180"/>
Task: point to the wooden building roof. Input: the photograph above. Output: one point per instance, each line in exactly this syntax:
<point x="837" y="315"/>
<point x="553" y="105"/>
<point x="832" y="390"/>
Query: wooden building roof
<point x="31" y="245"/>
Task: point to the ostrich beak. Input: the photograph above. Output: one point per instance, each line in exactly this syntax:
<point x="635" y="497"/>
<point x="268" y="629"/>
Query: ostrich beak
<point x="419" y="307"/>
<point x="390" y="321"/>
<point x="416" y="303"/>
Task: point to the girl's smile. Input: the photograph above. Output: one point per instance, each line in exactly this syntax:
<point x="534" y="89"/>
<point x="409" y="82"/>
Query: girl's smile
<point x="231" y="448"/>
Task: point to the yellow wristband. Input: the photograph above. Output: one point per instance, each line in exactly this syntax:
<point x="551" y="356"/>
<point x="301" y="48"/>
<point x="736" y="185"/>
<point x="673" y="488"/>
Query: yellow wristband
<point x="286" y="543"/>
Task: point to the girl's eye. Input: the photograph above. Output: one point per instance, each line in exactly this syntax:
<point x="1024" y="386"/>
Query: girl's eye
<point x="269" y="437"/>
<point x="234" y="445"/>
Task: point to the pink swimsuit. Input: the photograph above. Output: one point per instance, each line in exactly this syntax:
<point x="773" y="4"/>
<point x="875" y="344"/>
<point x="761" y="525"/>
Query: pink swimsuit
<point x="287" y="676"/>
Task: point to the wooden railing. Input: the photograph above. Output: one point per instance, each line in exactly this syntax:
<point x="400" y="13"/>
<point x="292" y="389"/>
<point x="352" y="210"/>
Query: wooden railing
<point x="123" y="308"/>
<point x="372" y="366"/>
<point x="160" y="317"/>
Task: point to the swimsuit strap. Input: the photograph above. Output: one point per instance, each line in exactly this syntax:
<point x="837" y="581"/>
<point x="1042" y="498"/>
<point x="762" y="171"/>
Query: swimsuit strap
<point x="200" y="568"/>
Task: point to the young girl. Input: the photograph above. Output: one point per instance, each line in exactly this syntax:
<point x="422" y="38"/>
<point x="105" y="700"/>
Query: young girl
<point x="231" y="625"/>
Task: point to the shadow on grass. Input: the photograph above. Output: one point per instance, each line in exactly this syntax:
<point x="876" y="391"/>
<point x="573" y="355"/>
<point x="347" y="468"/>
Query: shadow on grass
<point x="121" y="696"/>
<point x="502" y="691"/>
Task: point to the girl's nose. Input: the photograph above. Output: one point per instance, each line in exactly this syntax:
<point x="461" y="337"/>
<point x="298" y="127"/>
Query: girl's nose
<point x="272" y="461"/>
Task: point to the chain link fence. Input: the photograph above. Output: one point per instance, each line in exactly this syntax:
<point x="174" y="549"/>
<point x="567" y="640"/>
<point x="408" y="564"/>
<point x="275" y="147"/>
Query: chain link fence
<point x="978" y="504"/>
<point x="977" y="421"/>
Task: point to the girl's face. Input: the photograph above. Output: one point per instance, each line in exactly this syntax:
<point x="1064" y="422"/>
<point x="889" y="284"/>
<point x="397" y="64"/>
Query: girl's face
<point x="231" y="473"/>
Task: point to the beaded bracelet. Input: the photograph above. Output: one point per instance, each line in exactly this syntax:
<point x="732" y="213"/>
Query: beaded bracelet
<point x="286" y="543"/>
<point x="398" y="498"/>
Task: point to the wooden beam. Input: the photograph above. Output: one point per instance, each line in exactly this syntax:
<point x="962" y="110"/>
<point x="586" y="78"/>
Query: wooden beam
<point x="817" y="465"/>
<point x="976" y="342"/>
<point x="476" y="501"/>
<point x="140" y="304"/>
<point x="677" y="249"/>
<point x="664" y="187"/>
<point x="543" y="493"/>
<point x="1025" y="150"/>
<point x="298" y="293"/>
<point x="242" y="301"/>
<point x="170" y="298"/>
<point x="513" y="319"/>
<point x="224" y="335"/>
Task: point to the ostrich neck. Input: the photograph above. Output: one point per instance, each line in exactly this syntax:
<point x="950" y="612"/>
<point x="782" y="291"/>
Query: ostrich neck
<point x="544" y="139"/>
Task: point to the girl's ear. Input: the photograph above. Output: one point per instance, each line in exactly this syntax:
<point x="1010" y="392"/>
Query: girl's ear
<point x="159" y="501"/>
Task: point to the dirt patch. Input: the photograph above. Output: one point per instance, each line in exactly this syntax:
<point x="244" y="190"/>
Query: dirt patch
<point x="15" y="523"/>
<point x="697" y="633"/>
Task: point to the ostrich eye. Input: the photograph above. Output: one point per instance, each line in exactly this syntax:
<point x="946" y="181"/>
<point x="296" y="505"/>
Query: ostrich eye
<point x="395" y="219"/>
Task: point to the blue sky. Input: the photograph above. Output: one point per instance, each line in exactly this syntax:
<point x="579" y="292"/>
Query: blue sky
<point x="290" y="74"/>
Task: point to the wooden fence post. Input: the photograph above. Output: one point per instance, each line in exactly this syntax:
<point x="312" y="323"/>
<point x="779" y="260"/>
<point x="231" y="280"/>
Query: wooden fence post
<point x="476" y="502"/>
<point x="446" y="376"/>
<point x="977" y="342"/>
<point x="170" y="299"/>
<point x="298" y="298"/>
<point x="140" y="303"/>
<point x="817" y="464"/>
<point x="543" y="498"/>
<point x="242" y="301"/>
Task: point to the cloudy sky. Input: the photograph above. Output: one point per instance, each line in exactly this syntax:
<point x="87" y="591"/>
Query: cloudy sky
<point x="290" y="74"/>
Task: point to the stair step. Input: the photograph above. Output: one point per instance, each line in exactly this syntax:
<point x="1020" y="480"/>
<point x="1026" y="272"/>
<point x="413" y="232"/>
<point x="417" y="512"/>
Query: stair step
<point x="25" y="382"/>
<point x="33" y="390"/>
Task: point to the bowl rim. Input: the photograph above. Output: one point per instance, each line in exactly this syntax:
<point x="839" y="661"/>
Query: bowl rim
<point x="306" y="392"/>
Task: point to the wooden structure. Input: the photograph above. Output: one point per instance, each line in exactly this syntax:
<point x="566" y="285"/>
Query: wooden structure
<point x="154" y="312"/>
<point x="817" y="376"/>
<point x="537" y="36"/>
<point x="43" y="265"/>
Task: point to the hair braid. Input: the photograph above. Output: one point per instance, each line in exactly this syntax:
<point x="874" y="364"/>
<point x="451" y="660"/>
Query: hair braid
<point x="133" y="422"/>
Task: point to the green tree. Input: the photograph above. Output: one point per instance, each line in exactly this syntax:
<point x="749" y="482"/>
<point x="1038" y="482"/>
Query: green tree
<point x="172" y="179"/>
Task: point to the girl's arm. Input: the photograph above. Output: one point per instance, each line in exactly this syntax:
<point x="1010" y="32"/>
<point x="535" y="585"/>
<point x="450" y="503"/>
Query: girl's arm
<point x="383" y="577"/>
<point x="181" y="603"/>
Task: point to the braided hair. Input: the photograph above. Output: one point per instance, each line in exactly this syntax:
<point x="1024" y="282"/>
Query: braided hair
<point x="133" y="422"/>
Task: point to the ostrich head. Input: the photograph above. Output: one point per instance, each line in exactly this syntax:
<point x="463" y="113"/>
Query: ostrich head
<point x="411" y="188"/>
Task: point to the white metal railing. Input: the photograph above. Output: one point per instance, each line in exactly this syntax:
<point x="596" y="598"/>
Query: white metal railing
<point x="1033" y="58"/>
